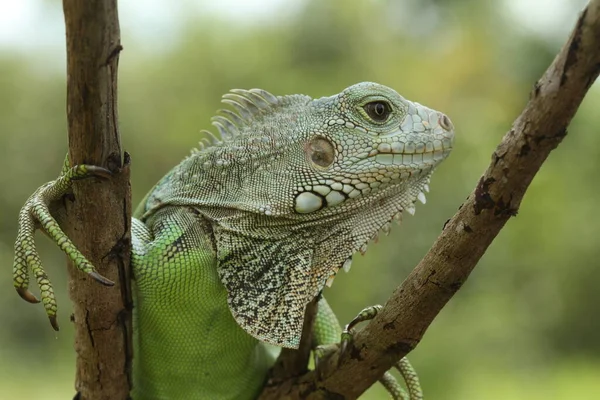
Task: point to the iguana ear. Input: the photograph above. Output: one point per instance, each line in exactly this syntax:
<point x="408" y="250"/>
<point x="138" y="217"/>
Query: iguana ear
<point x="269" y="283"/>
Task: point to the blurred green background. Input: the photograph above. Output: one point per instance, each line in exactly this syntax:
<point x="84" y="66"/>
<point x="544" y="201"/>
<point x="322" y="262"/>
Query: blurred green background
<point x="525" y="325"/>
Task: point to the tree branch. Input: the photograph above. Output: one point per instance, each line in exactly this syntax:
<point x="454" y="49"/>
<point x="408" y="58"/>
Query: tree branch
<point x="98" y="220"/>
<point x="412" y="307"/>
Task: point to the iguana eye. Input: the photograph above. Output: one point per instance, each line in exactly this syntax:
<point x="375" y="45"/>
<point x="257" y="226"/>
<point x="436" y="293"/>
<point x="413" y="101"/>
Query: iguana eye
<point x="320" y="151"/>
<point x="379" y="111"/>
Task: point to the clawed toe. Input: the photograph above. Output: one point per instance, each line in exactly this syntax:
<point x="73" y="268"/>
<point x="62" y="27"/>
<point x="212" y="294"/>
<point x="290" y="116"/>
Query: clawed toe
<point x="87" y="171"/>
<point x="101" y="279"/>
<point x="35" y="214"/>
<point x="27" y="295"/>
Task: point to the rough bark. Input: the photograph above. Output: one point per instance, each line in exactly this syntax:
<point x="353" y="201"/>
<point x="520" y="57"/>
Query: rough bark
<point x="98" y="217"/>
<point x="414" y="304"/>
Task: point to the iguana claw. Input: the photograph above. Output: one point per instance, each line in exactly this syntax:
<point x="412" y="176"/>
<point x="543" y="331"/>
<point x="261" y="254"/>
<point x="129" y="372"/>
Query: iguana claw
<point x="101" y="279"/>
<point x="87" y="171"/>
<point x="27" y="295"/>
<point x="366" y="314"/>
<point x="408" y="373"/>
<point x="35" y="214"/>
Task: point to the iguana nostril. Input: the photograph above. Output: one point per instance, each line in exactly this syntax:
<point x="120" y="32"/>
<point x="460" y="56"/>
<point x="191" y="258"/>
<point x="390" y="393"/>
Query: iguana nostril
<point x="445" y="122"/>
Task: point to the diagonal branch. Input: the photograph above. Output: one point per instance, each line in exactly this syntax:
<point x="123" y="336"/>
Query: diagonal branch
<point x="412" y="307"/>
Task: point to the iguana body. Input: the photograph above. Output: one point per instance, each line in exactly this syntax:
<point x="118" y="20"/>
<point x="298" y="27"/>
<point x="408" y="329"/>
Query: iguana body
<point x="230" y="246"/>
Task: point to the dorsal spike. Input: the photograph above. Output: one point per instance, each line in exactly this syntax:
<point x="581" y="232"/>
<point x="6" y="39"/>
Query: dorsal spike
<point x="212" y="139"/>
<point x="205" y="142"/>
<point x="254" y="98"/>
<point x="232" y="117"/>
<point x="198" y="149"/>
<point x="265" y="95"/>
<point x="243" y="111"/>
<point x="250" y="107"/>
<point x="227" y="129"/>
<point x="246" y="108"/>
<point x="220" y="128"/>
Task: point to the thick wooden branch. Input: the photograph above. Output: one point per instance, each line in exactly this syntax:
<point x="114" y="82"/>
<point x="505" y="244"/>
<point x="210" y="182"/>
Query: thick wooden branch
<point x="98" y="218"/>
<point x="412" y="307"/>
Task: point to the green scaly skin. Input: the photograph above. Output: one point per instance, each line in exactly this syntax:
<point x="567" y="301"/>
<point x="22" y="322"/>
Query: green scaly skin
<point x="230" y="246"/>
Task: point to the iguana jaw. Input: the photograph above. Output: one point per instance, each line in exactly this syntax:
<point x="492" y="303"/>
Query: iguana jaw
<point x="398" y="161"/>
<point x="411" y="155"/>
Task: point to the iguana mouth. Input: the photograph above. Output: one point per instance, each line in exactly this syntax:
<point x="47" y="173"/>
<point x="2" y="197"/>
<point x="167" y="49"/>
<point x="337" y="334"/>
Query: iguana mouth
<point x="415" y="158"/>
<point x="409" y="155"/>
<point x="401" y="149"/>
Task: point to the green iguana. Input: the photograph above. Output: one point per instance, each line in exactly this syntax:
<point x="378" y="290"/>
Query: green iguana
<point x="231" y="245"/>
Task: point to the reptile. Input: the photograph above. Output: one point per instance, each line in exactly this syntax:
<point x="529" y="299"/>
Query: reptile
<point x="230" y="246"/>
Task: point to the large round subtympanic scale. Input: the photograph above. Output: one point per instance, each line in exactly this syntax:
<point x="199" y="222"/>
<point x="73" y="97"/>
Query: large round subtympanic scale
<point x="307" y="202"/>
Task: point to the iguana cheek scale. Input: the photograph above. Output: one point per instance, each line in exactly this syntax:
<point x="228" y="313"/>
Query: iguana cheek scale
<point x="230" y="246"/>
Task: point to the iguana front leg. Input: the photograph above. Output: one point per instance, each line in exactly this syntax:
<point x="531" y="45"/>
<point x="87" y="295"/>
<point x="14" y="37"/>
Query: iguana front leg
<point x="327" y="332"/>
<point x="36" y="214"/>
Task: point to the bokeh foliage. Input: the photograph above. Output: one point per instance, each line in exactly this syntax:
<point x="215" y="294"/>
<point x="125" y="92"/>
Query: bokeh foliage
<point x="524" y="326"/>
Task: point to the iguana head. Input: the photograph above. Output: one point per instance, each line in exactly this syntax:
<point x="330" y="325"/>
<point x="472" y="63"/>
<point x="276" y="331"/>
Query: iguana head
<point x="296" y="186"/>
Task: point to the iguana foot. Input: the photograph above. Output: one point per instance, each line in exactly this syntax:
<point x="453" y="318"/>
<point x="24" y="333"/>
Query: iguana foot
<point x="408" y="373"/>
<point x="35" y="214"/>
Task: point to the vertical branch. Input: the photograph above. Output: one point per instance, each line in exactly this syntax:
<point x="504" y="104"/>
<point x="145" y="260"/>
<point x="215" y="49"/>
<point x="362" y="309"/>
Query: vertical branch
<point x="98" y="220"/>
